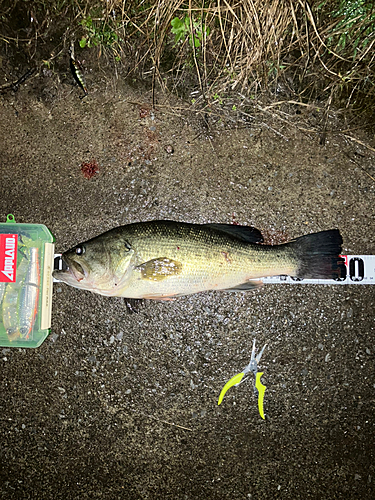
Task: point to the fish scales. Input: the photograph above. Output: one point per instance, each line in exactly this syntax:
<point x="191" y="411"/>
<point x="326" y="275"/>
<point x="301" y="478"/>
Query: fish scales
<point x="210" y="260"/>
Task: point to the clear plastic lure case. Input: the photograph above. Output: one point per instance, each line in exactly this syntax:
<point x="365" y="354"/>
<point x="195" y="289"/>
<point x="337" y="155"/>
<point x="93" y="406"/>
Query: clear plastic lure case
<point x="26" y="265"/>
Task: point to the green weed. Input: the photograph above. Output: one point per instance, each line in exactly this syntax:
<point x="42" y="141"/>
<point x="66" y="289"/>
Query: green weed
<point x="218" y="98"/>
<point x="181" y="29"/>
<point x="355" y="24"/>
<point x="98" y="33"/>
<point x="274" y="68"/>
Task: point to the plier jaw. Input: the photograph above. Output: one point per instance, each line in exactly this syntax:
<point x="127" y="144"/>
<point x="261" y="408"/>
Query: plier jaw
<point x="253" y="365"/>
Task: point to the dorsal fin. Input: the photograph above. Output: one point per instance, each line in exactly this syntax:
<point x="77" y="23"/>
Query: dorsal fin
<point x="244" y="233"/>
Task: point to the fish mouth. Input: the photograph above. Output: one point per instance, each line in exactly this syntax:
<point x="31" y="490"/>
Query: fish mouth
<point x="75" y="269"/>
<point x="69" y="269"/>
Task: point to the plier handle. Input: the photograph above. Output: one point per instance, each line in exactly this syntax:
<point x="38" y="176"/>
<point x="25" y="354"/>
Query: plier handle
<point x="259" y="388"/>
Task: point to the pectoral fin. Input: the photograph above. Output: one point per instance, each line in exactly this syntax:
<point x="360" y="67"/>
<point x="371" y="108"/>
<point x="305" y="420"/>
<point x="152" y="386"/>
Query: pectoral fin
<point x="160" y="268"/>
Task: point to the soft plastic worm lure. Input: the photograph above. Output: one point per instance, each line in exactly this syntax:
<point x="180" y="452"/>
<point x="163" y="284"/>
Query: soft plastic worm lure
<point x="20" y="301"/>
<point x="29" y="295"/>
<point x="2" y="291"/>
<point x="10" y="307"/>
<point x="259" y="388"/>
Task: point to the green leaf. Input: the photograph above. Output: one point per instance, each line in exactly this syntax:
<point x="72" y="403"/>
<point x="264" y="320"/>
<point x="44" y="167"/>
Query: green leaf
<point x="177" y="25"/>
<point x="83" y="42"/>
<point x="87" y="23"/>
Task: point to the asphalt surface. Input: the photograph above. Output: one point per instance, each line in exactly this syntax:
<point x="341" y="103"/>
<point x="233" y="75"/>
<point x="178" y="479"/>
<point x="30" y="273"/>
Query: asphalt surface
<point x="117" y="405"/>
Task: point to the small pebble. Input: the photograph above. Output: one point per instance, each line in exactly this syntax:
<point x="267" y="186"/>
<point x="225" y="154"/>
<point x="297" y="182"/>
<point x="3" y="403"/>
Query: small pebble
<point x="54" y="337"/>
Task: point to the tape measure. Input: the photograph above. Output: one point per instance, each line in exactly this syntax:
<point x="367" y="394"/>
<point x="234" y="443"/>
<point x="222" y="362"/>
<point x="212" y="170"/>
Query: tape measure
<point x="355" y="270"/>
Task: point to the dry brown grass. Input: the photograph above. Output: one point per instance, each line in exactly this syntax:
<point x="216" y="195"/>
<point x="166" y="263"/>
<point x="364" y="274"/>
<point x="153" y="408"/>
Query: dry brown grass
<point x="286" y="48"/>
<point x="253" y="46"/>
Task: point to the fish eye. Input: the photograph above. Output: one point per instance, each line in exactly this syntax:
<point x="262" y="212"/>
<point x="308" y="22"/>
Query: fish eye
<point x="80" y="250"/>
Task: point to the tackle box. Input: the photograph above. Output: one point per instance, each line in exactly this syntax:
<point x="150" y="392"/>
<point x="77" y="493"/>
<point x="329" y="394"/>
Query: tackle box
<point x="26" y="265"/>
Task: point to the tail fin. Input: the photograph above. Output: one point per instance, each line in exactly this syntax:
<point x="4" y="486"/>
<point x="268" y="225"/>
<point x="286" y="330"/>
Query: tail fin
<point x="319" y="255"/>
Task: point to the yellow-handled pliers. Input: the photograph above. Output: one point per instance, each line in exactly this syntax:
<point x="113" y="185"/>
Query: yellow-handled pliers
<point x="259" y="388"/>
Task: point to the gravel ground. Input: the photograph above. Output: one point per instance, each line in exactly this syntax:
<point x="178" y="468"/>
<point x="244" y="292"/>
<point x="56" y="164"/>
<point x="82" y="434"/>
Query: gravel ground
<point x="117" y="405"/>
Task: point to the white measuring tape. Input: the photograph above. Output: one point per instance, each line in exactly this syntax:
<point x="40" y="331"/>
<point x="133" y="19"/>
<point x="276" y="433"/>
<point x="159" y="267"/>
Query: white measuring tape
<point x="355" y="270"/>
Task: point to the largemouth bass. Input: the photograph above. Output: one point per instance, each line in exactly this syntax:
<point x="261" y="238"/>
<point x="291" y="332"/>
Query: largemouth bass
<point x="164" y="259"/>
